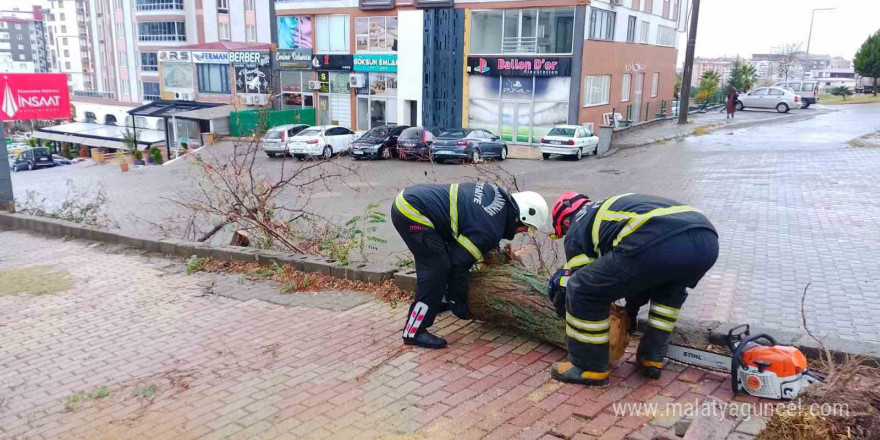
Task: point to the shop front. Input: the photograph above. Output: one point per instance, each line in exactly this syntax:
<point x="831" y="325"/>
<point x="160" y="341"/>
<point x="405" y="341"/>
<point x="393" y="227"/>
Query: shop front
<point x="334" y="95"/>
<point x="296" y="74"/>
<point x="252" y="76"/>
<point x="376" y="79"/>
<point x="520" y="98"/>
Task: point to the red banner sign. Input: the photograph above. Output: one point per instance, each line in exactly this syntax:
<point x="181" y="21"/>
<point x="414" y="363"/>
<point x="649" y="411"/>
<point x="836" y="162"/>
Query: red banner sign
<point x="25" y="96"/>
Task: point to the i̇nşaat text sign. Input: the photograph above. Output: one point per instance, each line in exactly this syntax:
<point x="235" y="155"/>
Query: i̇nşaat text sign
<point x="25" y="96"/>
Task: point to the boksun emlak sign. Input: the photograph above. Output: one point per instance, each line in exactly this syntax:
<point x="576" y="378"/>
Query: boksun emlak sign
<point x="25" y="96"/>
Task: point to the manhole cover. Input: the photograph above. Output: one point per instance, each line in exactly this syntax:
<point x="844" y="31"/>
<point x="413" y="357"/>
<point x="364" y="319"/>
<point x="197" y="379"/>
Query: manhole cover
<point x="611" y="171"/>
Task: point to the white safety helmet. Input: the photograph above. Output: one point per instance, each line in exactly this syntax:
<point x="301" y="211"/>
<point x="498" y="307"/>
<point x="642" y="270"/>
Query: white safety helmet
<point x="533" y="210"/>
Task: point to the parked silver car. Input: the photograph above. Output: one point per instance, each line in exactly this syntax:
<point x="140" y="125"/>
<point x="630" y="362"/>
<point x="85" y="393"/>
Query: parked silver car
<point x="781" y="99"/>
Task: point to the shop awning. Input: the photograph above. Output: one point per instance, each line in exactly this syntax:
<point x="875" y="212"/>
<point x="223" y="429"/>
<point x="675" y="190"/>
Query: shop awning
<point x="207" y="114"/>
<point x="166" y="109"/>
<point x="99" y="135"/>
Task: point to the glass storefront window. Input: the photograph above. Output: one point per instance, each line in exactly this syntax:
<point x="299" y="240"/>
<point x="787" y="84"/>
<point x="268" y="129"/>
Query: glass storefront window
<point x="544" y="30"/>
<point x="376" y="104"/>
<point x="516" y="87"/>
<point x="294" y="87"/>
<point x="546" y="115"/>
<point x="338" y="82"/>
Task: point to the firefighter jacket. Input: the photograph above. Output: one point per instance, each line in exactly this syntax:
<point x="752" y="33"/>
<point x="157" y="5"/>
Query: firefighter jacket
<point x="472" y="218"/>
<point x="628" y="222"/>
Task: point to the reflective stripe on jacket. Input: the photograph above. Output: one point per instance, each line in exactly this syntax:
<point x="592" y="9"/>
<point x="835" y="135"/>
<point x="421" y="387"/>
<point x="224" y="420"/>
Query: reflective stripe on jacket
<point x="476" y="216"/>
<point x="630" y="222"/>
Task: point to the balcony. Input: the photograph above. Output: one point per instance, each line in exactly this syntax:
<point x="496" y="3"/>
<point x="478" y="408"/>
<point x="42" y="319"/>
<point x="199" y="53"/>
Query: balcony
<point x="94" y="94"/>
<point x="152" y="98"/>
<point x="159" y="5"/>
<point x="519" y="45"/>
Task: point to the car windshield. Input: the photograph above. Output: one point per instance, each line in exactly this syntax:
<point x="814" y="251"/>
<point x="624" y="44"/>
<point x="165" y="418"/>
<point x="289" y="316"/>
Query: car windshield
<point x="273" y="135"/>
<point x="41" y="152"/>
<point x="309" y="133"/>
<point x="453" y="134"/>
<point x="567" y="132"/>
<point x="377" y="133"/>
<point x="410" y="133"/>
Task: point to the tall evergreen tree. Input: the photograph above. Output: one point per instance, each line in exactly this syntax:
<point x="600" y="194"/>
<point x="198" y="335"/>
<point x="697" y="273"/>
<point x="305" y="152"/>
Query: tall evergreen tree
<point x="867" y="60"/>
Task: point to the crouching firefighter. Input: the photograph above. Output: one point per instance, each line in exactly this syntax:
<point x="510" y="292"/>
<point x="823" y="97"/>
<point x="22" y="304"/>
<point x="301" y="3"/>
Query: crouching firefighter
<point x="448" y="228"/>
<point x="628" y="246"/>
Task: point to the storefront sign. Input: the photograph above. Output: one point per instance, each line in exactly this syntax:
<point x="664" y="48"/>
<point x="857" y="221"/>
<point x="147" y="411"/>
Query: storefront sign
<point x="293" y="59"/>
<point x="249" y="59"/>
<point x="33" y="96"/>
<point x="375" y="63"/>
<point x="536" y="66"/>
<point x="332" y="62"/>
<point x="252" y="80"/>
<point x="175" y="55"/>
<point x="210" y="57"/>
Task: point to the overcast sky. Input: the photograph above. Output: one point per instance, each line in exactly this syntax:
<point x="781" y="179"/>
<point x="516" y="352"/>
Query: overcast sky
<point x="731" y="27"/>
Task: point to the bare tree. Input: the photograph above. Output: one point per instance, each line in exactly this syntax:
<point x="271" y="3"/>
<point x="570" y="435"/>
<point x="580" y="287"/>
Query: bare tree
<point x="788" y="58"/>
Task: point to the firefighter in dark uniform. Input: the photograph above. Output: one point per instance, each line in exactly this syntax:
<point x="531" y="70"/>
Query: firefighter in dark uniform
<point x="633" y="246"/>
<point x="448" y="228"/>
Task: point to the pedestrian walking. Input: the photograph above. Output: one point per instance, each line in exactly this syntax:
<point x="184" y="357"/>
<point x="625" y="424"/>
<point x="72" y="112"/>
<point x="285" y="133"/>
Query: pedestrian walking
<point x="448" y="228"/>
<point x="732" y="97"/>
<point x="634" y="246"/>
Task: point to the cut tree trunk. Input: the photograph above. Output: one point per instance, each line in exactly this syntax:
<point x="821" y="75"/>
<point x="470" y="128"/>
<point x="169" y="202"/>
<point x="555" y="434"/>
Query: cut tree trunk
<point x="517" y="298"/>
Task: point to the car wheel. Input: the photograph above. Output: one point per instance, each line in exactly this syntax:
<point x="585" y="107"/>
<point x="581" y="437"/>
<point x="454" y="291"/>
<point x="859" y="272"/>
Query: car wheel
<point x="739" y="105"/>
<point x="596" y="150"/>
<point x="328" y="152"/>
<point x="385" y="153"/>
<point x="580" y="154"/>
<point x="30" y="166"/>
<point x="503" y="153"/>
<point x="476" y="157"/>
<point x="782" y="107"/>
<point x="300" y="157"/>
<point x="15" y="168"/>
<point x="270" y="154"/>
<point x="545" y="156"/>
<point x="807" y="105"/>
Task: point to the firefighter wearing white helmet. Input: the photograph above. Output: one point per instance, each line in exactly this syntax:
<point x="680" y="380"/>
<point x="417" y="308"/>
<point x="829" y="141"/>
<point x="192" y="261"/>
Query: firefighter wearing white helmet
<point x="448" y="228"/>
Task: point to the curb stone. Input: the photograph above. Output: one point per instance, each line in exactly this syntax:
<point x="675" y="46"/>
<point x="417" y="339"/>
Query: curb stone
<point x="690" y="332"/>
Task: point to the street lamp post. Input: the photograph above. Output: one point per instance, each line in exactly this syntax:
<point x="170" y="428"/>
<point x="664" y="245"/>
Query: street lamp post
<point x="810" y="38"/>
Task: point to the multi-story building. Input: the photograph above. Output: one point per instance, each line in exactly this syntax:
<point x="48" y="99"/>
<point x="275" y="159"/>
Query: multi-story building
<point x="23" y="41"/>
<point x="828" y="79"/>
<point x="515" y="68"/>
<point x="722" y="66"/>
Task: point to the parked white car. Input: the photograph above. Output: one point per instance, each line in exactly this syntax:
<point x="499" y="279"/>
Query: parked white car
<point x="321" y="140"/>
<point x="276" y="138"/>
<point x="569" y="140"/>
<point x="779" y="98"/>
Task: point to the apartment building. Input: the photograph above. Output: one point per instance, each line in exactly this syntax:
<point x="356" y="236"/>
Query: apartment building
<point x="516" y="68"/>
<point x="23" y="45"/>
<point x="722" y="66"/>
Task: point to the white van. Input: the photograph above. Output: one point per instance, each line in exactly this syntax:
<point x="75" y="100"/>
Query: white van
<point x="807" y="90"/>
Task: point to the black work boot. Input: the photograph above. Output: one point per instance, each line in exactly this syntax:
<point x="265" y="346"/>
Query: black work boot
<point x="565" y="371"/>
<point x="650" y="369"/>
<point x="426" y="340"/>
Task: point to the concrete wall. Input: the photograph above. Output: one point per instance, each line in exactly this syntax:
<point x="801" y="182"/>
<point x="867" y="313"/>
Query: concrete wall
<point x="410" y="51"/>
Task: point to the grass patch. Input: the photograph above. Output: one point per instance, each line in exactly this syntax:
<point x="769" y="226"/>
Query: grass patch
<point x="73" y="400"/>
<point x="38" y="280"/>
<point x="701" y="130"/>
<point x="195" y="264"/>
<point x="855" y="99"/>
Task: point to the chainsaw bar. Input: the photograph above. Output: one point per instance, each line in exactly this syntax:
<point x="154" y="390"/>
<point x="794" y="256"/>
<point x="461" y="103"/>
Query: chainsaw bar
<point x="700" y="359"/>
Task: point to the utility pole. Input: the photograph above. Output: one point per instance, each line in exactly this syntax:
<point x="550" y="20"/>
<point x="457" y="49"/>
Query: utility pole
<point x="810" y="38"/>
<point x="684" y="98"/>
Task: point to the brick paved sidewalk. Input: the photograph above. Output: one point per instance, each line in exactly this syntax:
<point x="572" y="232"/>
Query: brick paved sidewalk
<point x="138" y="349"/>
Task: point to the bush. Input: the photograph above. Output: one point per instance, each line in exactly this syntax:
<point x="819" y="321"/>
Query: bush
<point x="65" y="150"/>
<point x="842" y="91"/>
<point x="156" y="154"/>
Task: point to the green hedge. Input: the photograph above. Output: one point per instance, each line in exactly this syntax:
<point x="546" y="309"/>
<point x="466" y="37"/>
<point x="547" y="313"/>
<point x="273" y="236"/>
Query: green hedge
<point x="244" y="123"/>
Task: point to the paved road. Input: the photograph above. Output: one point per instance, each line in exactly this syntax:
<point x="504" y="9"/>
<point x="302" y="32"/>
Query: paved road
<point x="132" y="348"/>
<point x="792" y="202"/>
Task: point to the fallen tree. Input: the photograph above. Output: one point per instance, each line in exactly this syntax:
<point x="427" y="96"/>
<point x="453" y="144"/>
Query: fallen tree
<point x="504" y="293"/>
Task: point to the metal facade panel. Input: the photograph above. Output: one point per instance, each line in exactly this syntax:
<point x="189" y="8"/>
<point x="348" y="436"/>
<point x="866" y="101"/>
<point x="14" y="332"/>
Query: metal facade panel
<point x="442" y="95"/>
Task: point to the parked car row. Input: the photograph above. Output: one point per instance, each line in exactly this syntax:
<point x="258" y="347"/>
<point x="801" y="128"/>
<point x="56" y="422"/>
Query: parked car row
<point x="35" y="158"/>
<point x="419" y="143"/>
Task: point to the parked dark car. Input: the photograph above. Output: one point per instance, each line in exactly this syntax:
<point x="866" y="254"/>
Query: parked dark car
<point x="60" y="160"/>
<point x="380" y="142"/>
<point x="415" y="143"/>
<point x="32" y="159"/>
<point x="468" y="144"/>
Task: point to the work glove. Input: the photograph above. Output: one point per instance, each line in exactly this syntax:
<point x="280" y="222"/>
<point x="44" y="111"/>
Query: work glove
<point x="557" y="292"/>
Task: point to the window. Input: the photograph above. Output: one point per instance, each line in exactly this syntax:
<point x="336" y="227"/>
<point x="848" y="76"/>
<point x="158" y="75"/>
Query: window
<point x="596" y="90"/>
<point x="4" y="35"/>
<point x="67" y="65"/>
<point x="62" y="16"/>
<point x="249" y="5"/>
<point x="332" y="33"/>
<point x="162" y="31"/>
<point x="655" y="84"/>
<point x="665" y="36"/>
<point x="151" y="91"/>
<point x="602" y="24"/>
<point x="624" y="90"/>
<point x="123" y="59"/>
<point x="18" y="37"/>
<point x="125" y="89"/>
<point x="66" y="53"/>
<point x="3" y="24"/>
<point x="149" y="62"/>
<point x="643" y="32"/>
<point x="64" y="41"/>
<point x="759" y="92"/>
<point x="223" y="6"/>
<point x="21" y="47"/>
<point x="631" y="29"/>
<point x="293" y="83"/>
<point x="63" y="28"/>
<point x="375" y="34"/>
<point x="117" y="4"/>
<point x="545" y="30"/>
<point x="775" y="92"/>
<point x="158" y="5"/>
<point x="223" y="31"/>
<point x="120" y="31"/>
<point x="213" y="78"/>
<point x="250" y="33"/>
<point x="18" y="26"/>
<point x="21" y="57"/>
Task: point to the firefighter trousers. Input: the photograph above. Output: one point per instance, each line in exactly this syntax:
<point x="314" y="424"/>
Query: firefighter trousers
<point x="434" y="271"/>
<point x="661" y="272"/>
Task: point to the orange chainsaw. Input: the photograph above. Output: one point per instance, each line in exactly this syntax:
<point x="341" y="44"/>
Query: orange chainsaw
<point x="759" y="365"/>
